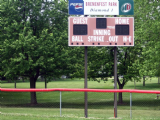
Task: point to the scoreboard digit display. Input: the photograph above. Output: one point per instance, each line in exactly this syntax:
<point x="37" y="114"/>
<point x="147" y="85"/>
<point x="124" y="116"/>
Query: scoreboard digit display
<point x="102" y="31"/>
<point x="79" y="29"/>
<point x="122" y="30"/>
<point x="101" y="23"/>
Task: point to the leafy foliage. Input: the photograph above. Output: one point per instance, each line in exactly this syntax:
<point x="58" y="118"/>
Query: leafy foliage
<point x="34" y="39"/>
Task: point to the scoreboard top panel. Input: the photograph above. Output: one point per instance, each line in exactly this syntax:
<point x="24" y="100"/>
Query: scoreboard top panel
<point x="101" y="31"/>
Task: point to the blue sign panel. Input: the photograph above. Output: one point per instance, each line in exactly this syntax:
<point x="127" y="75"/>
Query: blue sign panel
<point x="76" y="7"/>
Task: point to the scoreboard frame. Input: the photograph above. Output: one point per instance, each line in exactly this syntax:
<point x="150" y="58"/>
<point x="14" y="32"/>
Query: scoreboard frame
<point x="115" y="31"/>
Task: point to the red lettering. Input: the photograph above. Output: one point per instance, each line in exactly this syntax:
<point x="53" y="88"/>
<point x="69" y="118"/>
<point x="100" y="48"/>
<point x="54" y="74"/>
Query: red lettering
<point x="112" y="3"/>
<point x="115" y="4"/>
<point x="128" y="7"/>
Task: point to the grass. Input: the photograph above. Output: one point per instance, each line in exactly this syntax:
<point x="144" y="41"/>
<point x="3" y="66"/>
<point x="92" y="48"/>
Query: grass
<point x="100" y="105"/>
<point x="72" y="114"/>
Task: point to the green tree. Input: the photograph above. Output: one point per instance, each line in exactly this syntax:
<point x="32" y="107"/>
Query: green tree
<point x="128" y="66"/>
<point x="100" y="63"/>
<point x="140" y="60"/>
<point x="149" y="33"/>
<point x="34" y="39"/>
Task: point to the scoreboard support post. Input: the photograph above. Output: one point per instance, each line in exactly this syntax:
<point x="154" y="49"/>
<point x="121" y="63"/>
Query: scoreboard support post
<point x="115" y="79"/>
<point x="85" y="83"/>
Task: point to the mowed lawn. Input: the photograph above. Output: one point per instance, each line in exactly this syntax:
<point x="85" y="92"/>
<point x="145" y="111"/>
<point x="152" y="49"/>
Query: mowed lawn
<point x="100" y="105"/>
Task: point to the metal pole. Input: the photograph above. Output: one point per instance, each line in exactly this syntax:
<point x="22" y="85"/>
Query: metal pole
<point x="130" y="105"/>
<point x="60" y="103"/>
<point x="115" y="81"/>
<point x="85" y="83"/>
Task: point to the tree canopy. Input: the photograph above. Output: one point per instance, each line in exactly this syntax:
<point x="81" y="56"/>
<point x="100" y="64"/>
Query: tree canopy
<point x="34" y="39"/>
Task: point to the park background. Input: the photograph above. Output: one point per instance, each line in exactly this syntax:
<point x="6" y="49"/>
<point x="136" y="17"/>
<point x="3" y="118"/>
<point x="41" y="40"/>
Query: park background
<point x="34" y="45"/>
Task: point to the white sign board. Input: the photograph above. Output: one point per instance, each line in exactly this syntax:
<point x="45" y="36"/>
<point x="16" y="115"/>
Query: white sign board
<point x="101" y="7"/>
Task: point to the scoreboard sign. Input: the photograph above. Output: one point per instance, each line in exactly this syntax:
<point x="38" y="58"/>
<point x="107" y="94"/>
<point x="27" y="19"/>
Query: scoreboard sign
<point x="101" y="31"/>
<point x="101" y="7"/>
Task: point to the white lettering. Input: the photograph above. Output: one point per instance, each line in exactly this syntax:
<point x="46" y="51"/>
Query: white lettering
<point x="111" y="27"/>
<point x="127" y="21"/>
<point x="95" y="38"/>
<point x="129" y="38"/>
<point x="113" y="38"/>
<point x="77" y="39"/>
<point x="74" y="4"/>
<point x="80" y="20"/>
<point x="101" y="32"/>
<point x="116" y="21"/>
<point x="125" y="38"/>
<point x="122" y="21"/>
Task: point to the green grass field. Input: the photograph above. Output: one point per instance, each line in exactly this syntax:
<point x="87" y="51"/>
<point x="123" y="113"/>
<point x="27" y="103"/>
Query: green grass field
<point x="100" y="105"/>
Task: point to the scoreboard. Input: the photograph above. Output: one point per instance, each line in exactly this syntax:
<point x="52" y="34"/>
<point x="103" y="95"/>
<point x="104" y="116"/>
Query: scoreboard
<point x="101" y="31"/>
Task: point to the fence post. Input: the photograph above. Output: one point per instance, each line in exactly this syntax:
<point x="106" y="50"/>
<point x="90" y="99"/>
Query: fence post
<point x="130" y="105"/>
<point x="60" y="103"/>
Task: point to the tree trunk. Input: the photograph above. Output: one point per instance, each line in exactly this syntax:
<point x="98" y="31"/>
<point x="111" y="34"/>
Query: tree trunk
<point x="158" y="80"/>
<point x="33" y="94"/>
<point x="143" y="80"/>
<point x="134" y="84"/>
<point x="45" y="83"/>
<point x="120" y="100"/>
<point x="14" y="83"/>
